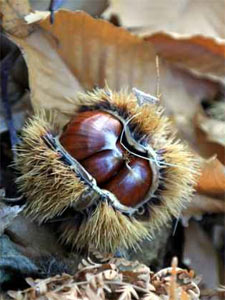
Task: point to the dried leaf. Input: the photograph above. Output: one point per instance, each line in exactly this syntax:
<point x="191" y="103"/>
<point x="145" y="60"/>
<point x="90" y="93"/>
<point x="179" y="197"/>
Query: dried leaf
<point x="212" y="180"/>
<point x="173" y="280"/>
<point x="46" y="69"/>
<point x="127" y="293"/>
<point x="95" y="285"/>
<point x="184" y="17"/>
<point x="205" y="263"/>
<point x="211" y="135"/>
<point x="7" y="214"/>
<point x="32" y="240"/>
<point x="14" y="264"/>
<point x="193" y="43"/>
<point x="198" y="54"/>
<point x="151" y="296"/>
<point x="184" y="295"/>
<point x="36" y="16"/>
<point x="202" y="204"/>
<point x="102" y="52"/>
<point x="13" y="13"/>
<point x="96" y="53"/>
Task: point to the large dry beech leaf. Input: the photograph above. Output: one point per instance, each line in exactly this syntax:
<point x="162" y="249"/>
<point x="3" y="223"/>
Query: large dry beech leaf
<point x="200" y="55"/>
<point x="188" y="33"/>
<point x="186" y="17"/>
<point x="79" y="52"/>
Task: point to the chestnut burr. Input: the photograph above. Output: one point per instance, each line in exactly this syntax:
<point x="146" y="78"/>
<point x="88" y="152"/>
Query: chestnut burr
<point x="114" y="173"/>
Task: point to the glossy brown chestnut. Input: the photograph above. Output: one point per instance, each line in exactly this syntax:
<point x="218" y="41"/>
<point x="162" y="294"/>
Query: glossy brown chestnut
<point x="93" y="138"/>
<point x="105" y="164"/>
<point x="132" y="183"/>
<point x="90" y="132"/>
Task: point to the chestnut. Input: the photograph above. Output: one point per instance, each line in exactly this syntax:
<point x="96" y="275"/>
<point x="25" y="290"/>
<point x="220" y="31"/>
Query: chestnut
<point x="93" y="138"/>
<point x="113" y="175"/>
<point x="90" y="132"/>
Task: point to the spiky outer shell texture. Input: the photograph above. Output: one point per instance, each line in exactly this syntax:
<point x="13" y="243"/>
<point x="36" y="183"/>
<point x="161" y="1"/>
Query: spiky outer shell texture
<point x="52" y="189"/>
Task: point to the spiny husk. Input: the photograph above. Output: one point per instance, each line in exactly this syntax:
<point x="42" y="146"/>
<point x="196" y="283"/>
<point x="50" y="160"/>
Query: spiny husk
<point x="106" y="229"/>
<point x="51" y="187"/>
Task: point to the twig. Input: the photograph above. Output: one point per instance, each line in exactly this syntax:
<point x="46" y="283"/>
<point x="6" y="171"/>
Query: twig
<point x="6" y="66"/>
<point x="54" y="5"/>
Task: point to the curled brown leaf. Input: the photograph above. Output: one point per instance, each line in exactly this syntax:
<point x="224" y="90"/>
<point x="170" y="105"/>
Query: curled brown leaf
<point x="198" y="54"/>
<point x="212" y="180"/>
<point x="210" y="134"/>
<point x="185" y="17"/>
<point x="202" y="204"/>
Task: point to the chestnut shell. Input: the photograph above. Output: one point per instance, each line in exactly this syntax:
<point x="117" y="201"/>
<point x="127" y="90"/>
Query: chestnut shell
<point x="93" y="138"/>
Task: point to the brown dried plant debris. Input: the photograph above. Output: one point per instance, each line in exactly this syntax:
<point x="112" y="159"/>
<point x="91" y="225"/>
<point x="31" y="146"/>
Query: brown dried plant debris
<point x="117" y="279"/>
<point x="187" y="17"/>
<point x="203" y="204"/>
<point x="208" y="294"/>
<point x="200" y="55"/>
<point x="212" y="180"/>
<point x="210" y="189"/>
<point x="210" y="130"/>
<point x="7" y="214"/>
<point x="200" y="254"/>
<point x="13" y="13"/>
